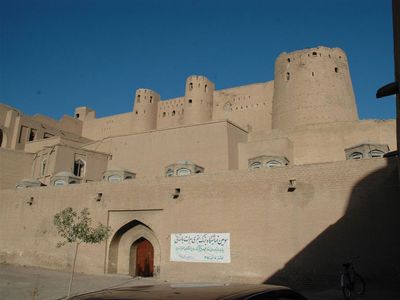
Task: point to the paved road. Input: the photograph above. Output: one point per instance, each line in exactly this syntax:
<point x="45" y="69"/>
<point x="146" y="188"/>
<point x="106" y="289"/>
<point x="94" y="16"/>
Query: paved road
<point x="20" y="283"/>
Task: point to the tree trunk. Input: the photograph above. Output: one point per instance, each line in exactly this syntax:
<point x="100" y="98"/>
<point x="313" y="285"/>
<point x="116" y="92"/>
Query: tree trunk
<point x="73" y="270"/>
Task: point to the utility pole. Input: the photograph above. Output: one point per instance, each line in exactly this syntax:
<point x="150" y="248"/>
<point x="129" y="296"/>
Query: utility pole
<point x="394" y="87"/>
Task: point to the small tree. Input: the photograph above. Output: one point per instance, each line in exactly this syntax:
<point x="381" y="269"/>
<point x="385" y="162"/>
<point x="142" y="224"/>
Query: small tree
<point x="76" y="229"/>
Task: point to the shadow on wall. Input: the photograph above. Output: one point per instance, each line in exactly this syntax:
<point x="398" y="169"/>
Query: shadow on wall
<point x="370" y="228"/>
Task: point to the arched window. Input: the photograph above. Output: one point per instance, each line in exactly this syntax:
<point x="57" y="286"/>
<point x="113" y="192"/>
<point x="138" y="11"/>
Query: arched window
<point x="205" y="88"/>
<point x="190" y="101"/>
<point x="314" y="53"/>
<point x="356" y="155"/>
<point x="151" y="99"/>
<point x="173" y="113"/>
<point x="287" y="76"/>
<point x="336" y="69"/>
<point x="79" y="167"/>
<point x="190" y="86"/>
<point x="43" y="167"/>
<point x="138" y="98"/>
<point x="183" y="172"/>
<point x="164" y="114"/>
<point x="273" y="164"/>
<point x="376" y="153"/>
<point x="255" y="165"/>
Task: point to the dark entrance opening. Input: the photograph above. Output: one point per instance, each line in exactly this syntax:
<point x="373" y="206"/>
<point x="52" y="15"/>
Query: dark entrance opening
<point x="144" y="262"/>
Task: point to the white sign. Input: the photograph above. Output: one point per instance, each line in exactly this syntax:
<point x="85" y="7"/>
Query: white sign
<point x="201" y="247"/>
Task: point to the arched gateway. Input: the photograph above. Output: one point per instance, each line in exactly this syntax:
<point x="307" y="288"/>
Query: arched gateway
<point x="134" y="250"/>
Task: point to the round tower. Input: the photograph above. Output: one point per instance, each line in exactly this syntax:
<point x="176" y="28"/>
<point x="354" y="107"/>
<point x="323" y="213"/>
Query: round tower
<point x="312" y="86"/>
<point x="145" y="110"/>
<point x="198" y="100"/>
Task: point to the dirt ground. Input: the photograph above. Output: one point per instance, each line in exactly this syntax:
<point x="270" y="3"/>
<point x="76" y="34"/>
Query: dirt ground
<point x="19" y="283"/>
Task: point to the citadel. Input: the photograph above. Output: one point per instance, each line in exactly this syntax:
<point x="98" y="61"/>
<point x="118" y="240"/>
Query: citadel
<point x="283" y="172"/>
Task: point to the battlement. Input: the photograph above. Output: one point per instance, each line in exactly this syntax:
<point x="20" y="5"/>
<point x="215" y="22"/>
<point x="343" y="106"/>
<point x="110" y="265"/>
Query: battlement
<point x="320" y="51"/>
<point x="310" y="86"/>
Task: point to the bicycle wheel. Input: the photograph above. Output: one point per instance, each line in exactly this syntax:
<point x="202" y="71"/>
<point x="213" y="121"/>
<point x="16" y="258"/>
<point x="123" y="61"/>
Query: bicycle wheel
<point x="347" y="288"/>
<point x="358" y="284"/>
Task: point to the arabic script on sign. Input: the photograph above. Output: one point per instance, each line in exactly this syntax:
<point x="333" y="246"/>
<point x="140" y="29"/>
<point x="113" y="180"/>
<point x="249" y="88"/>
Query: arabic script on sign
<point x="200" y="247"/>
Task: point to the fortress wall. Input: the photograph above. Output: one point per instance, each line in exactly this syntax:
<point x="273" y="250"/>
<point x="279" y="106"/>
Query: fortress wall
<point x="15" y="165"/>
<point x="163" y="147"/>
<point x="170" y="113"/>
<point x="249" y="106"/>
<point x="273" y="147"/>
<point x="323" y="142"/>
<point x="97" y="129"/>
<point x="327" y="143"/>
<point x="270" y="228"/>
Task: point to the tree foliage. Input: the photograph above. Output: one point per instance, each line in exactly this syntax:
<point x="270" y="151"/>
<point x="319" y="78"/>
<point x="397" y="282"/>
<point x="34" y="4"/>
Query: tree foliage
<point x="74" y="227"/>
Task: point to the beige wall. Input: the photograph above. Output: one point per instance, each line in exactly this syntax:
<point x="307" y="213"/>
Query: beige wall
<point x="14" y="166"/>
<point x="249" y="106"/>
<point x="170" y="113"/>
<point x="321" y="142"/>
<point x="147" y="154"/>
<point x="271" y="228"/>
<point x="97" y="129"/>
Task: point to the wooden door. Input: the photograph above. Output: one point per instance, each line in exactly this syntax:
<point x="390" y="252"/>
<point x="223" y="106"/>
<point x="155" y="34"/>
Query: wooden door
<point x="144" y="258"/>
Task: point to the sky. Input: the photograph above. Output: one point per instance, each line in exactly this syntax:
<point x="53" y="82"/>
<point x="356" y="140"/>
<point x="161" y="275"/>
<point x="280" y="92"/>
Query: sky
<point x="58" y="55"/>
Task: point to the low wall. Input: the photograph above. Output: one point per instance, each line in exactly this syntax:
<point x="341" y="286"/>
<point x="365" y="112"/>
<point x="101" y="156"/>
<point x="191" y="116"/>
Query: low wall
<point x="336" y="210"/>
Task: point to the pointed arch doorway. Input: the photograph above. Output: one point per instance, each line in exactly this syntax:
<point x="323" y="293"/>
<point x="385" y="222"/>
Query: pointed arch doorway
<point x="141" y="258"/>
<point x="134" y="249"/>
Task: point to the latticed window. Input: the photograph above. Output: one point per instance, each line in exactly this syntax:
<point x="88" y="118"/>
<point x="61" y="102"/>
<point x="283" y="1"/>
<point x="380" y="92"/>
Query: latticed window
<point x="376" y="153"/>
<point x="273" y="164"/>
<point x="255" y="165"/>
<point x="170" y="173"/>
<point x="183" y="172"/>
<point x="356" y="155"/>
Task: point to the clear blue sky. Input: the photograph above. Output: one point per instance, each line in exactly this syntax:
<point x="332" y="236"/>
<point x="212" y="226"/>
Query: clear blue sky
<point x="56" y="55"/>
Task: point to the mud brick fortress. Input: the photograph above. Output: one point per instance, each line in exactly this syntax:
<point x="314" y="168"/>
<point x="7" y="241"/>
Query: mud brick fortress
<point x="283" y="170"/>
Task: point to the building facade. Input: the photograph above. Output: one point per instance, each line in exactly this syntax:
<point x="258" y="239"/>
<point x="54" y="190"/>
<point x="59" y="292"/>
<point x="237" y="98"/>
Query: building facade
<point x="264" y="175"/>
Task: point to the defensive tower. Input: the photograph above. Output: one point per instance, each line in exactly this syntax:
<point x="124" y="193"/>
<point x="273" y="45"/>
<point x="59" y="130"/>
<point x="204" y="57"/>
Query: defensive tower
<point x="198" y="100"/>
<point x="145" y="110"/>
<point x="312" y="86"/>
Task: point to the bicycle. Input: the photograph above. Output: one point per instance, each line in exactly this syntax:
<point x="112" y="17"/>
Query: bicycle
<point x="351" y="282"/>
